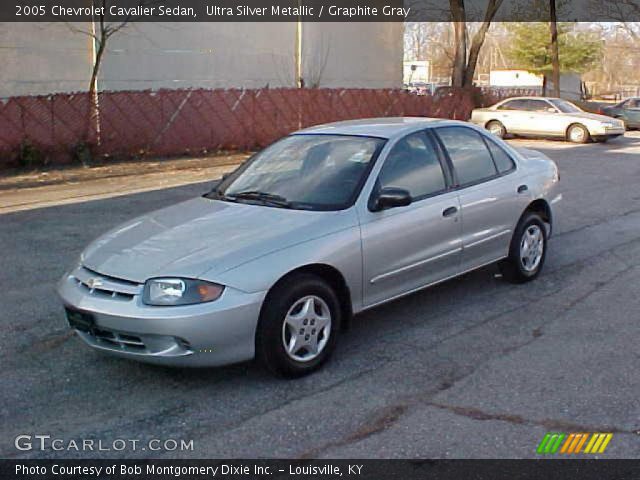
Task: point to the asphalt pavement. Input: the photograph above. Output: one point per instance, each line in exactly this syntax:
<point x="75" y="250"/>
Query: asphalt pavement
<point x="472" y="368"/>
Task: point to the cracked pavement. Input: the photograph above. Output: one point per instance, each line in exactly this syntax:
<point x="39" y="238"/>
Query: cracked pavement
<point x="472" y="368"/>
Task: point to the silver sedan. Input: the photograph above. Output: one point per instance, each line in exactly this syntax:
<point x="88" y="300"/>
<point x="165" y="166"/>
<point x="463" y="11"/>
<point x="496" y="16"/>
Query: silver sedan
<point x="546" y="117"/>
<point x="323" y="224"/>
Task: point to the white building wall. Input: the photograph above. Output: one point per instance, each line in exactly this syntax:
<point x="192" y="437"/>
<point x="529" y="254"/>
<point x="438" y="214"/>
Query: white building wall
<point x="514" y="78"/>
<point x="363" y="55"/>
<point x="207" y="55"/>
<point x="42" y="58"/>
<point x="48" y="58"/>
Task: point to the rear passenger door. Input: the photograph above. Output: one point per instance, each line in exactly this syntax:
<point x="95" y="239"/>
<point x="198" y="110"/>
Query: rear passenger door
<point x="488" y="188"/>
<point x="513" y="115"/>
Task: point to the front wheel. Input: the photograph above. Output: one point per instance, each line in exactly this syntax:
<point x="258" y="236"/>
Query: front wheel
<point x="298" y="326"/>
<point x="578" y="134"/>
<point x="527" y="251"/>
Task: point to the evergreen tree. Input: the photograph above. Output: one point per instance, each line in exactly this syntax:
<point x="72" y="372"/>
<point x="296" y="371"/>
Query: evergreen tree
<point x="531" y="48"/>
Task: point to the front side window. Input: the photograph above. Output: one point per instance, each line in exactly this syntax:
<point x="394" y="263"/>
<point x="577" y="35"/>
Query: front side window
<point x="316" y="172"/>
<point x="413" y="165"/>
<point x="564" y="106"/>
<point x="468" y="153"/>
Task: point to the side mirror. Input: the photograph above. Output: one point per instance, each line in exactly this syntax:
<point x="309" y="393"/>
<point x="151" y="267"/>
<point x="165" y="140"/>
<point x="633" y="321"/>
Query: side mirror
<point x="551" y="110"/>
<point x="391" y="197"/>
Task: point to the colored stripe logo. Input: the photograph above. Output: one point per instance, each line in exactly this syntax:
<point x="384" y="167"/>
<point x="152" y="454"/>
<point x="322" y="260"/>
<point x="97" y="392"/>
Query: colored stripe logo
<point x="573" y="443"/>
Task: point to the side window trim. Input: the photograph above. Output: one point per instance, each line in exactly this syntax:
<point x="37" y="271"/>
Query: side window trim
<point x="445" y="164"/>
<point x="457" y="185"/>
<point x="443" y="167"/>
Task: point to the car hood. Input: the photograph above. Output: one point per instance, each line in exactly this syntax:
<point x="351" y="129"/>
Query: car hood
<point x="204" y="236"/>
<point x="588" y="116"/>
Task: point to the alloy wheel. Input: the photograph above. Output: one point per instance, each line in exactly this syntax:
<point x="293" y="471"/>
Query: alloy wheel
<point x="531" y="248"/>
<point x="306" y="328"/>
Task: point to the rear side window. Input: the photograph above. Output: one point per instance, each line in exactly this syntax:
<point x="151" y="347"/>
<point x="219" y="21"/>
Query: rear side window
<point x="537" y="106"/>
<point x="500" y="157"/>
<point x="413" y="164"/>
<point x="513" y="105"/>
<point x="469" y="154"/>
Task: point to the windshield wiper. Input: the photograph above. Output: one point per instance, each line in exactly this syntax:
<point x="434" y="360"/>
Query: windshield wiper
<point x="218" y="195"/>
<point x="266" y="198"/>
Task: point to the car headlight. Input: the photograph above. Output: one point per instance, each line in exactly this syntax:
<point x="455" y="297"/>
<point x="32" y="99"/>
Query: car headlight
<point x="608" y="124"/>
<point x="179" y="291"/>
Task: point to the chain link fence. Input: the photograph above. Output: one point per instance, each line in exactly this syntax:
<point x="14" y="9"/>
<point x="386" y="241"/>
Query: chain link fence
<point x="58" y="128"/>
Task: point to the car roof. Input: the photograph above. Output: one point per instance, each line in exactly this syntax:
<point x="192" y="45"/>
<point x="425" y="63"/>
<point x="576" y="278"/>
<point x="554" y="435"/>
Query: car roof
<point x="530" y="98"/>
<point x="385" y="127"/>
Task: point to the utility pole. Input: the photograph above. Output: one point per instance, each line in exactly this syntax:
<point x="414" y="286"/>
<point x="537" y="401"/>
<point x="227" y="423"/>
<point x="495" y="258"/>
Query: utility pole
<point x="298" y="49"/>
<point x="555" y="56"/>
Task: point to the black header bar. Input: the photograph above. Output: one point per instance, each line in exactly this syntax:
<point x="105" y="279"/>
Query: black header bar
<point x="308" y="10"/>
<point x="320" y="469"/>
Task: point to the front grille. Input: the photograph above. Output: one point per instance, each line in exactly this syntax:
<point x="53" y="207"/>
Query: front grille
<point x="140" y="344"/>
<point x="104" y="286"/>
<point x="117" y="340"/>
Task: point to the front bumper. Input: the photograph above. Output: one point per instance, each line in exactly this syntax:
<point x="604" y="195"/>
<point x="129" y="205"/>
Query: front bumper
<point x="602" y="131"/>
<point x="208" y="334"/>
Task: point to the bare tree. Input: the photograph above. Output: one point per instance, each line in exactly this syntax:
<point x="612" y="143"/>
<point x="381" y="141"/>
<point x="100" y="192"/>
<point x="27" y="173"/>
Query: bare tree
<point x="315" y="63"/>
<point x="619" y="11"/>
<point x="100" y="32"/>
<point x="464" y="66"/>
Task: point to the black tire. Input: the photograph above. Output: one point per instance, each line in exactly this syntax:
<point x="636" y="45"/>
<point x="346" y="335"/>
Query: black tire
<point x="514" y="268"/>
<point x="499" y="131"/>
<point x="583" y="137"/>
<point x="270" y="348"/>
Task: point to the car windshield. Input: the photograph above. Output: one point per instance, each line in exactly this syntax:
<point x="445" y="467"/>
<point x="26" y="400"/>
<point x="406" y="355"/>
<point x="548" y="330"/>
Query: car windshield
<point x="313" y="172"/>
<point x="565" y="107"/>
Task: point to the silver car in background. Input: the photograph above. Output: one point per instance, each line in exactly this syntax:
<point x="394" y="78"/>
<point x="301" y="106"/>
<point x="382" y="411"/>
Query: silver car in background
<point x="546" y="117"/>
<point x="321" y="225"/>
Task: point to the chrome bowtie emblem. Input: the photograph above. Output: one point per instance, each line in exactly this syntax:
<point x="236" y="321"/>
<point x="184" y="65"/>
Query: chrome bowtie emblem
<point x="94" y="283"/>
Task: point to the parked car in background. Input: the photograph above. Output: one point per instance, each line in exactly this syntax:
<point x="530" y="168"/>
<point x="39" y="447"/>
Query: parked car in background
<point x="325" y="223"/>
<point x="628" y="111"/>
<point x="419" y="88"/>
<point x="546" y="117"/>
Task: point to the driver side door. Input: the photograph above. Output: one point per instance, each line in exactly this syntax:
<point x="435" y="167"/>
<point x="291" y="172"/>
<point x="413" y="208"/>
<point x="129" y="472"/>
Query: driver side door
<point x="406" y="248"/>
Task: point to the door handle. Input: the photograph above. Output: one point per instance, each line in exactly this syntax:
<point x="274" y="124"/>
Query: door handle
<point x="448" y="212"/>
<point x="522" y="188"/>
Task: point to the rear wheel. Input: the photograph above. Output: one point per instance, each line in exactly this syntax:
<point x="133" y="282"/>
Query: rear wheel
<point x="497" y="128"/>
<point x="578" y="133"/>
<point x="298" y="326"/>
<point x="527" y="251"/>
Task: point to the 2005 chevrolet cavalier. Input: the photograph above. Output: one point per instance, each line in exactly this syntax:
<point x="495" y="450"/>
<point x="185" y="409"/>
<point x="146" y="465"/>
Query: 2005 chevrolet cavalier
<point x="323" y="224"/>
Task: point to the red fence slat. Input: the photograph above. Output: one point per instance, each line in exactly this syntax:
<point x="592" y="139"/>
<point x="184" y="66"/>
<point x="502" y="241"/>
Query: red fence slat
<point x="179" y="122"/>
